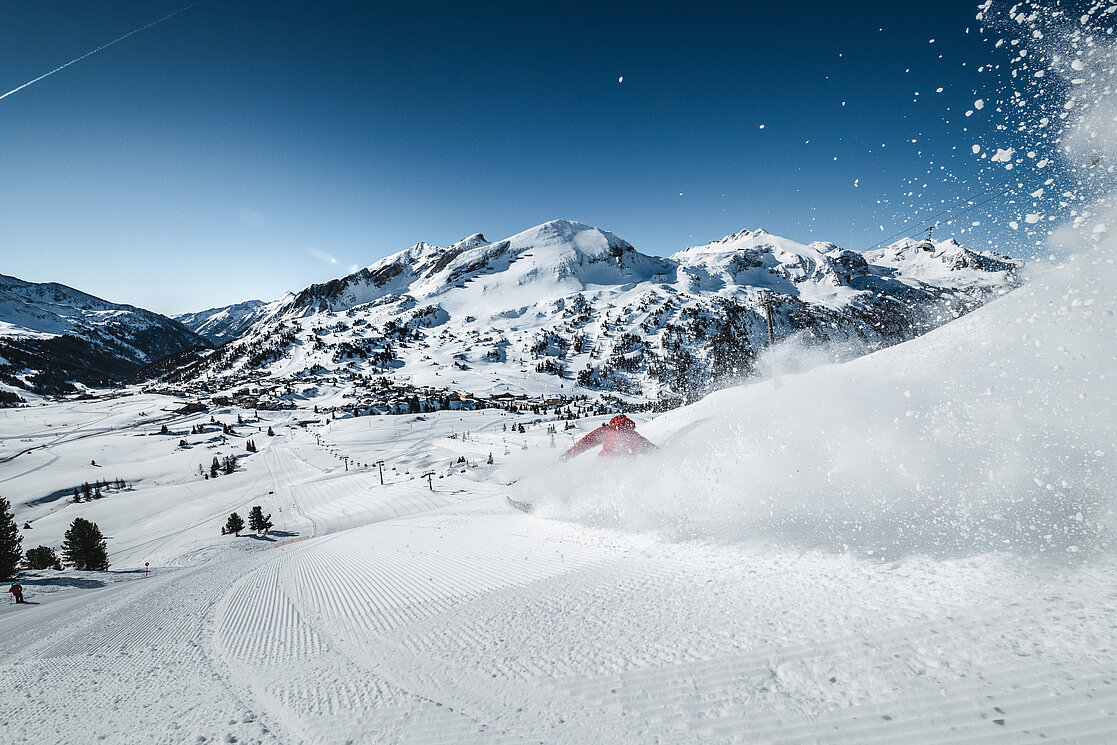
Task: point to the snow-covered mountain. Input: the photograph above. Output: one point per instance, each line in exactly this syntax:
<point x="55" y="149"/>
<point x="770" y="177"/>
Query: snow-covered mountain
<point x="566" y="307"/>
<point x="52" y="335"/>
<point x="219" y="325"/>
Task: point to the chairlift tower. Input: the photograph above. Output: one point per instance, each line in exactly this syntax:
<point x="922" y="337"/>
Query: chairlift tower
<point x="767" y="299"/>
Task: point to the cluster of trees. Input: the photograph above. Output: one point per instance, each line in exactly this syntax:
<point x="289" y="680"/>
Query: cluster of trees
<point x="87" y="492"/>
<point x="257" y="521"/>
<point x="84" y="547"/>
<point x="225" y="465"/>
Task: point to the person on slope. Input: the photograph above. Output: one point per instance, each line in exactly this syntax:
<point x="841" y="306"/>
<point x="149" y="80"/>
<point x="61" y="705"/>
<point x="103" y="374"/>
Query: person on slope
<point x="17" y="591"/>
<point x="619" y="437"/>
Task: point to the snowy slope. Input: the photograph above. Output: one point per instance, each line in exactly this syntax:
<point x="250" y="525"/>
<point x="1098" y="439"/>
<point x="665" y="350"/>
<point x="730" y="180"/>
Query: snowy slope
<point x="52" y="335"/>
<point x="915" y="545"/>
<point x="569" y="308"/>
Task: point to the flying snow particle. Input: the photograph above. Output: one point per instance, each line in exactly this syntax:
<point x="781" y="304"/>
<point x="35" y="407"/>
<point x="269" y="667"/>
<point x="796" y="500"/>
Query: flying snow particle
<point x="976" y="149"/>
<point x="762" y="126"/>
<point x="979" y="104"/>
<point x="1004" y="156"/>
<point x="620" y="79"/>
<point x="1032" y="218"/>
<point x="856" y="181"/>
<point x="1077" y="65"/>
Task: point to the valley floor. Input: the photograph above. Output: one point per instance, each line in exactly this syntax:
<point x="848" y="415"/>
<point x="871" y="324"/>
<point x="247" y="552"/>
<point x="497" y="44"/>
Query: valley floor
<point x="411" y="614"/>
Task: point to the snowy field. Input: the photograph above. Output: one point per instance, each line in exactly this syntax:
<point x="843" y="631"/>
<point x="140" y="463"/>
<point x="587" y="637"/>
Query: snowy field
<point x="913" y="547"/>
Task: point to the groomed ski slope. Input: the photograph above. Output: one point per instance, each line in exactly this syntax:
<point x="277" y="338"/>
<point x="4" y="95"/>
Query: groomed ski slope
<point x="618" y="611"/>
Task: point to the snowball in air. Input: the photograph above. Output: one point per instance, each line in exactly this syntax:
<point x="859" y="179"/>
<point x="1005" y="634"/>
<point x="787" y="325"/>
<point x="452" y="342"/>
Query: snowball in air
<point x="620" y="79"/>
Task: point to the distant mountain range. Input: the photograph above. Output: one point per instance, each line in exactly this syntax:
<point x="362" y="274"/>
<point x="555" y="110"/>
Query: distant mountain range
<point x="220" y="325"/>
<point x="573" y="308"/>
<point x="561" y="307"/>
<point x="53" y="336"/>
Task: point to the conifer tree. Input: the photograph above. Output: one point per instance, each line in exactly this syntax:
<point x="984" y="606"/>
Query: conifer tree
<point x="84" y="548"/>
<point x="10" y="541"/>
<point x="163" y="430"/>
<point x="270" y="433"/>
<point x="214" y="467"/>
<point x="258" y="521"/>
<point x="234" y="525"/>
<point x="42" y="557"/>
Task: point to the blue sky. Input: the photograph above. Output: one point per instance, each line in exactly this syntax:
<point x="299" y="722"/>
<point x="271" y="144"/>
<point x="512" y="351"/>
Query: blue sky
<point x="233" y="150"/>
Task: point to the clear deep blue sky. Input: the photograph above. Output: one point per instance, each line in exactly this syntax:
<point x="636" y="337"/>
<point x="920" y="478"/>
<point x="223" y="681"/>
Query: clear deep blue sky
<point x="228" y="152"/>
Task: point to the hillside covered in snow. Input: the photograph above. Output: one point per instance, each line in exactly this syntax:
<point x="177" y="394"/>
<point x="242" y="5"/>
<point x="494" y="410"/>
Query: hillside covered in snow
<point x="916" y="544"/>
<point x="52" y="336"/>
<point x="565" y="307"/>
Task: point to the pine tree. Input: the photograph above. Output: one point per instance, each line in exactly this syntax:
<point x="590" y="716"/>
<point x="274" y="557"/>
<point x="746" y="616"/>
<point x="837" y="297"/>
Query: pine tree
<point x="77" y="495"/>
<point x="10" y="541"/>
<point x="84" y="548"/>
<point x="234" y="525"/>
<point x="490" y="461"/>
<point x="163" y="430"/>
<point x="258" y="521"/>
<point x="228" y="464"/>
<point x="270" y="433"/>
<point x="214" y="467"/>
<point x="42" y="557"/>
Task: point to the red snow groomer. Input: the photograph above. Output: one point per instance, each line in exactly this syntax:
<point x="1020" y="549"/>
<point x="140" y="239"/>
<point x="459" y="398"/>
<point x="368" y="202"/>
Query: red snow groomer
<point x="619" y="436"/>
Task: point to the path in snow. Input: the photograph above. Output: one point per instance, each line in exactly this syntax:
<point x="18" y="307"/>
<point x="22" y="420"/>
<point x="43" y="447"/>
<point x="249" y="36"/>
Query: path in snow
<point x="479" y="624"/>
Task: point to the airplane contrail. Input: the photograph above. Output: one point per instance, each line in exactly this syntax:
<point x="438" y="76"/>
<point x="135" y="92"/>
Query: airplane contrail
<point x="98" y="49"/>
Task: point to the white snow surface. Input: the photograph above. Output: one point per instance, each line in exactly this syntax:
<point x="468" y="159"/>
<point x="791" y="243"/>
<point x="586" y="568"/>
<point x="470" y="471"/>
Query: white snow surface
<point x="914" y="546"/>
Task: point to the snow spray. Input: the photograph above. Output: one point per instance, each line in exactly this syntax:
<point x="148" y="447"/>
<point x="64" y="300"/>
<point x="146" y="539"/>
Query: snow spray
<point x="996" y="432"/>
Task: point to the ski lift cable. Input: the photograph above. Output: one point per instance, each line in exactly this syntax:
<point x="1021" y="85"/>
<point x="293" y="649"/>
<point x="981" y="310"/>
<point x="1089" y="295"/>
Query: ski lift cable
<point x="920" y="226"/>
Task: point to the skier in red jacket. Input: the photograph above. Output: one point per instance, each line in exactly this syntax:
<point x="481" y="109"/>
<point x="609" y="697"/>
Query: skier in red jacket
<point x="619" y="436"/>
<point x="17" y="590"/>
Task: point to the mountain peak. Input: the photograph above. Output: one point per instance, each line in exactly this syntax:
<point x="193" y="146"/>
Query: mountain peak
<point x="471" y="241"/>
